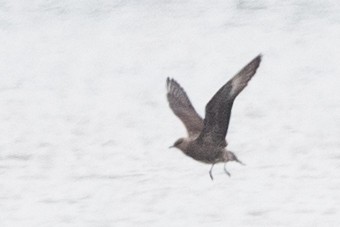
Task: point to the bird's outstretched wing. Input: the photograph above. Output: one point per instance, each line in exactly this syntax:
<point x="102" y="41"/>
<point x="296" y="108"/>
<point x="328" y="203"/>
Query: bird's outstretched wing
<point x="218" y="109"/>
<point x="182" y="108"/>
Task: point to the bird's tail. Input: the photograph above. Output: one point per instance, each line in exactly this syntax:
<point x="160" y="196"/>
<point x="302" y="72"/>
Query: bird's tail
<point x="234" y="158"/>
<point x="237" y="160"/>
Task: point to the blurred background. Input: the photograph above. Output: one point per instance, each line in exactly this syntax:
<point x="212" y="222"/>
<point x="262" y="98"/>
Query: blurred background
<point x="85" y="124"/>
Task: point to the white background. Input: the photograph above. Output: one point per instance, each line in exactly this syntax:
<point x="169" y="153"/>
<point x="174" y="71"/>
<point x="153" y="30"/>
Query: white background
<point x="85" y="125"/>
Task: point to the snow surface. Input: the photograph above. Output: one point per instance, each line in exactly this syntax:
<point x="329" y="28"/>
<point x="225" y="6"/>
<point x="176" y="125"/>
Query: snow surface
<point x="85" y="125"/>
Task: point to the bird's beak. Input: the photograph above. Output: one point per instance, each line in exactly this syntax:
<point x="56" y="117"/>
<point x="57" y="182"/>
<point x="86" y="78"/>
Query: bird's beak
<point x="171" y="147"/>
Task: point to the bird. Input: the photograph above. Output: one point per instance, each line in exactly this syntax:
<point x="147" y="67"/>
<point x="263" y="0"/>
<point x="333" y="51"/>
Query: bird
<point x="206" y="141"/>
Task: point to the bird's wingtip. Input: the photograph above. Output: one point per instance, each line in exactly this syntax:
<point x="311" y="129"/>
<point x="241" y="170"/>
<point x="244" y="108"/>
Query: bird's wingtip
<point x="257" y="59"/>
<point x="259" y="56"/>
<point x="168" y="82"/>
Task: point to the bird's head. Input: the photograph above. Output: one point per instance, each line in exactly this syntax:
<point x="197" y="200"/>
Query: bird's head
<point x="180" y="144"/>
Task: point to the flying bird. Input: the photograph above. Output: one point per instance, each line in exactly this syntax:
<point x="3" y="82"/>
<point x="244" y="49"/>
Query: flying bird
<point x="206" y="138"/>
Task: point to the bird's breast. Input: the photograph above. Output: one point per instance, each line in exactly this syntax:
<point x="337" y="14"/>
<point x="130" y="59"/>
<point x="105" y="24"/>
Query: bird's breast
<point x="205" y="152"/>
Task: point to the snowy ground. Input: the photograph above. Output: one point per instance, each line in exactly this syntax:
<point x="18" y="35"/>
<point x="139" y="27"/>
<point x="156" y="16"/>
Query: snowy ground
<point x="86" y="125"/>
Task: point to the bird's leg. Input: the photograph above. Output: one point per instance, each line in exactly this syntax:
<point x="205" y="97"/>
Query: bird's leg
<point x="225" y="170"/>
<point x="210" y="172"/>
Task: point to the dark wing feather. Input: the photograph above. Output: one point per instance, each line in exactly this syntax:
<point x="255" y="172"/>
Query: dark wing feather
<point x="218" y="110"/>
<point x="182" y="107"/>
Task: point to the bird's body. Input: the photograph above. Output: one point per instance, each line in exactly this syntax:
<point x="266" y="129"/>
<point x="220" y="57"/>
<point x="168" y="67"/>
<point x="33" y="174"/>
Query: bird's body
<point x="207" y="153"/>
<point x="206" y="138"/>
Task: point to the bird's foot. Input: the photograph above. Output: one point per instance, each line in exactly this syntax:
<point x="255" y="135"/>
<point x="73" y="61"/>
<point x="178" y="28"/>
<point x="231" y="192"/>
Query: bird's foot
<point x="210" y="172"/>
<point x="226" y="171"/>
<point x="211" y="176"/>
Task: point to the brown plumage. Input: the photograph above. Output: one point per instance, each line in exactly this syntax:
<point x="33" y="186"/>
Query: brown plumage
<point x="206" y="138"/>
